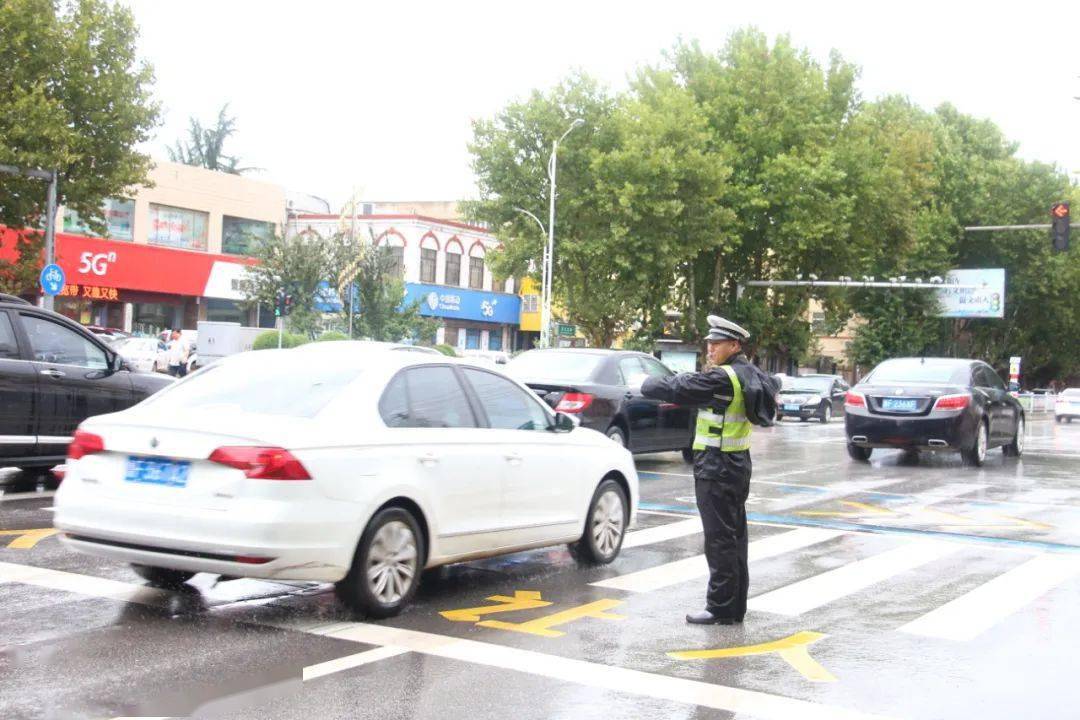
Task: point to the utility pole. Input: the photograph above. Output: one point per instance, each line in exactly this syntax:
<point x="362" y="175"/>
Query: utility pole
<point x="549" y="251"/>
<point x="51" y="177"/>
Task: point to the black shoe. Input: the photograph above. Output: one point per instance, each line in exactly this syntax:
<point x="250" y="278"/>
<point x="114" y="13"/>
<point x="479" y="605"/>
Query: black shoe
<point x="707" y="618"/>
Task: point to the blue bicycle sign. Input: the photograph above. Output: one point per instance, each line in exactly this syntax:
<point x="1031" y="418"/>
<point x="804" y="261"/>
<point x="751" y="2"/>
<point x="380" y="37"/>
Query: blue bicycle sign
<point x="52" y="279"/>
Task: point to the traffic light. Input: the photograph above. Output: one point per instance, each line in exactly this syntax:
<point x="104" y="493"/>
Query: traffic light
<point x="1059" y="226"/>
<point x="279" y="303"/>
<point x="286" y="304"/>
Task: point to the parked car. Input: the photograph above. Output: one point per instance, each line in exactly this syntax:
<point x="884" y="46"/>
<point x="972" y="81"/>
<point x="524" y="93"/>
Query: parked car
<point x="1067" y="405"/>
<point x="603" y="389"/>
<point x="144" y="354"/>
<point x="108" y="334"/>
<point x="490" y="358"/>
<point x="54" y="373"/>
<point x="811" y="396"/>
<point x="933" y="404"/>
<point x="362" y="470"/>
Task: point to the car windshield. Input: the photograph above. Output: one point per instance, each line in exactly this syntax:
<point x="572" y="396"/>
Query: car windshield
<point x="576" y="367"/>
<point x="817" y="385"/>
<point x="293" y="387"/>
<point x="920" y="371"/>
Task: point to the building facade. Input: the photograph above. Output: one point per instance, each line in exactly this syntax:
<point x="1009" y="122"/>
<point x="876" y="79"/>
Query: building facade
<point x="173" y="253"/>
<point x="446" y="270"/>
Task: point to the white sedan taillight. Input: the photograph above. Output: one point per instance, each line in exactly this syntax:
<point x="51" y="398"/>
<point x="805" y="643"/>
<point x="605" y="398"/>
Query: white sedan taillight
<point x="261" y="463"/>
<point x="84" y="443"/>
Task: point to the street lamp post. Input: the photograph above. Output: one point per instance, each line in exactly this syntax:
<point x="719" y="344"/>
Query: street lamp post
<point x="49" y="176"/>
<point x="549" y="251"/>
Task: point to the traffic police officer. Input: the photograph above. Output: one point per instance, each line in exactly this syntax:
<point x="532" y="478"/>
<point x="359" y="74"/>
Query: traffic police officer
<point x="731" y="395"/>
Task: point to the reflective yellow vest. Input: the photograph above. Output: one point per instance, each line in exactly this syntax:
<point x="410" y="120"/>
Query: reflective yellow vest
<point x="731" y="431"/>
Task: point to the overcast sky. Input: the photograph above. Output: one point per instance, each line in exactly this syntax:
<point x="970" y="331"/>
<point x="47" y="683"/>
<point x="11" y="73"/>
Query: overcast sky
<point x="378" y="96"/>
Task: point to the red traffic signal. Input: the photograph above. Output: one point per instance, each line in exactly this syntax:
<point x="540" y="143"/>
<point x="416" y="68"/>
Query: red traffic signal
<point x="1059" y="226"/>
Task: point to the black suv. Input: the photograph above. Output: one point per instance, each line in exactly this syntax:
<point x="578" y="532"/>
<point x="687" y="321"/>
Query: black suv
<point x="53" y="375"/>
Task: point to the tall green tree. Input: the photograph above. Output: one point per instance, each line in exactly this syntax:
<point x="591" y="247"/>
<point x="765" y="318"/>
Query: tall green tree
<point x="75" y="99"/>
<point x="298" y="265"/>
<point x="775" y="115"/>
<point x="637" y="195"/>
<point x="379" y="311"/>
<point x="205" y="146"/>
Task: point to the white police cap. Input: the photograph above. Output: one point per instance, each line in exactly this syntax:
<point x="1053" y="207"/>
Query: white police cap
<point x="721" y="329"/>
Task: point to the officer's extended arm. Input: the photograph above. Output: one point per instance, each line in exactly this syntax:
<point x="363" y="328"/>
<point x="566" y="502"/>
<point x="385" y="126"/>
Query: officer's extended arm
<point x="692" y="389"/>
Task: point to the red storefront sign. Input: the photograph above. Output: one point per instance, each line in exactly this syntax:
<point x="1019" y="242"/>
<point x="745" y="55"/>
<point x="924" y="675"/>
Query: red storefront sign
<point x="130" y="266"/>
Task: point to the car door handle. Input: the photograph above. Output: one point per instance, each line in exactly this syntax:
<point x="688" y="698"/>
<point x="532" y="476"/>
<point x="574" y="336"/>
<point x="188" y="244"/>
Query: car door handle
<point x="513" y="458"/>
<point x="428" y="460"/>
<point x="52" y="373"/>
<point x="629" y="395"/>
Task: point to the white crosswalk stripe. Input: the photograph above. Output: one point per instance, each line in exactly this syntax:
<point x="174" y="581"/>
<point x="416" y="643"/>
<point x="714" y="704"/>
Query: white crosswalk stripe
<point x="969" y="615"/>
<point x="693" y="568"/>
<point x="660" y="533"/>
<point x="806" y="595"/>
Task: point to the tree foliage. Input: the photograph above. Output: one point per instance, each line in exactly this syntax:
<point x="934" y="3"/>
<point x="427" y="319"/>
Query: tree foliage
<point x="75" y="99"/>
<point x="759" y="162"/>
<point x="379" y="312"/>
<point x="306" y="264"/>
<point x="298" y="265"/>
<point x="205" y="146"/>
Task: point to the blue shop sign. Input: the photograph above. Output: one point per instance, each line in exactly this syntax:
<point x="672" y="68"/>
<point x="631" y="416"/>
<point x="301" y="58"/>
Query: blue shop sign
<point x="464" y="304"/>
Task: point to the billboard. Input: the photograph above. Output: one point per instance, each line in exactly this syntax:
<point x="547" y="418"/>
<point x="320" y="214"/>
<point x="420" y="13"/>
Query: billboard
<point x="987" y="300"/>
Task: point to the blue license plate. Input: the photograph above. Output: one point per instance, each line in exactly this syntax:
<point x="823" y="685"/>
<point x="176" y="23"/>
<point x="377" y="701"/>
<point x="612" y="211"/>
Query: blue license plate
<point x="899" y="404"/>
<point x="157" y="471"/>
<point x="791" y="407"/>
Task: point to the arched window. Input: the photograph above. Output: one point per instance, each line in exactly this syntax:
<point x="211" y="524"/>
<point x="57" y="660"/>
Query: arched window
<point x="454" y="251"/>
<point x="476" y="266"/>
<point x="429" y="255"/>
<point x="395" y="244"/>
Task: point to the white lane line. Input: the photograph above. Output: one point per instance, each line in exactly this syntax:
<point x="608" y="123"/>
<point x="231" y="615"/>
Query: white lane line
<point x="754" y="703"/>
<point x="660" y="533"/>
<point x="966" y="617"/>
<point x="806" y="595"/>
<point x="351" y="661"/>
<point x="6" y="496"/>
<point x="664" y="513"/>
<point x="758" y="704"/>
<point x="83" y="584"/>
<point x="692" y="568"/>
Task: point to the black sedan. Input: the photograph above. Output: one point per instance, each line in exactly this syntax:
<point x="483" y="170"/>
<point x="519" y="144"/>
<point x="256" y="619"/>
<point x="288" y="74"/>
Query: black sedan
<point x="933" y="404"/>
<point x="53" y="375"/>
<point x="811" y="396"/>
<point x="603" y="389"/>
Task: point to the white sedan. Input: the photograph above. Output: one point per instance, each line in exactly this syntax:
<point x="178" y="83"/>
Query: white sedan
<point x="1067" y="405"/>
<point x="142" y="353"/>
<point x="362" y="471"/>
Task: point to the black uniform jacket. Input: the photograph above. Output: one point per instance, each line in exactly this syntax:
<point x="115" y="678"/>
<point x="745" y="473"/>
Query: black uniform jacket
<point x="706" y="390"/>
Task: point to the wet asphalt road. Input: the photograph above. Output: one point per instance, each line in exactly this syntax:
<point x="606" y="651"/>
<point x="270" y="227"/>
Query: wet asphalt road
<point x="915" y="588"/>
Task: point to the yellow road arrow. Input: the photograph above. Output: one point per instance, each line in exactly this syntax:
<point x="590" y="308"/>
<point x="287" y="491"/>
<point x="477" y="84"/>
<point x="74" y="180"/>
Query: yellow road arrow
<point x="522" y="600"/>
<point x="542" y="626"/>
<point x="792" y="649"/>
<point x="28" y="538"/>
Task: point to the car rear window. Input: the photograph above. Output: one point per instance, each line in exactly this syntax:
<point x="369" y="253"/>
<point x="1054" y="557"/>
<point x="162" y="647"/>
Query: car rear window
<point x="576" y="367"/>
<point x="920" y="371"/>
<point x="808" y="385"/>
<point x="260" y="385"/>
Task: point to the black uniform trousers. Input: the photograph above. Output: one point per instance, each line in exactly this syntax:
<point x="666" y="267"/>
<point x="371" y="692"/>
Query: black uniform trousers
<point x="721" y="501"/>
